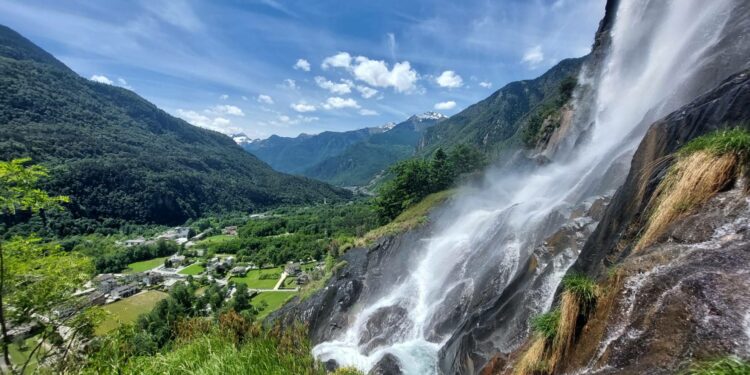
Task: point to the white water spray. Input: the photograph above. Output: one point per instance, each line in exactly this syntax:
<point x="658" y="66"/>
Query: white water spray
<point x="658" y="58"/>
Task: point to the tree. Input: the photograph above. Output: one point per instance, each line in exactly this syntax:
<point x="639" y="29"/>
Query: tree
<point x="37" y="279"/>
<point x="441" y="171"/>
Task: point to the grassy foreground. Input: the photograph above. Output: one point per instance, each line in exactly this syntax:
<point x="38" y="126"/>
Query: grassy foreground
<point x="145" y="265"/>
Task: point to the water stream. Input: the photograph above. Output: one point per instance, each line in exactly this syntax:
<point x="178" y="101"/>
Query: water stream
<point x="661" y="56"/>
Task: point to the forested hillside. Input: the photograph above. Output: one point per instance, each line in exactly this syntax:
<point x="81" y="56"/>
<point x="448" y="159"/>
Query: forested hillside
<point x="119" y="157"/>
<point x="500" y="121"/>
<point x="360" y="162"/>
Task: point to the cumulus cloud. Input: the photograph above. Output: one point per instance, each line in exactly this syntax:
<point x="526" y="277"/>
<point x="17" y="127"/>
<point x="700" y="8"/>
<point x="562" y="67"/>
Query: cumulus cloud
<point x="288" y="120"/>
<point x="218" y="123"/>
<point x="303" y="107"/>
<point x="228" y="110"/>
<point x="224" y="97"/>
<point x="339" y="60"/>
<point x="337" y="103"/>
<point x="375" y="73"/>
<point x="367" y="112"/>
<point x="101" y="79"/>
<point x="290" y="84"/>
<point x="533" y="56"/>
<point x="485" y="84"/>
<point x="265" y="99"/>
<point x="445" y="105"/>
<point x="342" y="88"/>
<point x="302" y="64"/>
<point x="449" y="79"/>
<point x="366" y="92"/>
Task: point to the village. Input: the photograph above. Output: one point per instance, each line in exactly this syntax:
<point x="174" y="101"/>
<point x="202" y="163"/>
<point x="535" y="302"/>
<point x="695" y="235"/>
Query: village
<point x="135" y="291"/>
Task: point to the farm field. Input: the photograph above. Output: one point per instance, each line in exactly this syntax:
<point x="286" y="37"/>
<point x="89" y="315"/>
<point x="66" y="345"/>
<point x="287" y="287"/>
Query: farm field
<point x="128" y="309"/>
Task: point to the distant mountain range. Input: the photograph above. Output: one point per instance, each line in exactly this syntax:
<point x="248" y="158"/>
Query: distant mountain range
<point x="351" y="158"/>
<point x="122" y="159"/>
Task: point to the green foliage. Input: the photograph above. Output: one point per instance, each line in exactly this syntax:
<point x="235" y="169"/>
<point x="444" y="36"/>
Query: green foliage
<point x="495" y="124"/>
<point x="414" y="179"/>
<point x="111" y="258"/>
<point x="347" y="371"/>
<point x="733" y="141"/>
<point x="549" y="110"/>
<point x="582" y="286"/>
<point x="722" y="366"/>
<point x="121" y="159"/>
<point x="546" y="324"/>
<point x="18" y="188"/>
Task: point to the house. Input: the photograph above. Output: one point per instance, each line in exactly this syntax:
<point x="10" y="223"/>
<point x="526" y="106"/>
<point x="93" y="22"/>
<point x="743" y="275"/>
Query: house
<point x="105" y="282"/>
<point x="152" y="278"/>
<point x="170" y="283"/>
<point x="303" y="279"/>
<point x="229" y="260"/>
<point x="239" y="271"/>
<point x="177" y="260"/>
<point x="230" y="231"/>
<point x="135" y="242"/>
<point x="96" y="298"/>
<point x="292" y="269"/>
<point x="124" y="291"/>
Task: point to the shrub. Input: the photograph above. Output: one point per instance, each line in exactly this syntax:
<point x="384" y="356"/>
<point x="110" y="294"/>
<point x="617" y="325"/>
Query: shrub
<point x="546" y="324"/>
<point x="347" y="371"/>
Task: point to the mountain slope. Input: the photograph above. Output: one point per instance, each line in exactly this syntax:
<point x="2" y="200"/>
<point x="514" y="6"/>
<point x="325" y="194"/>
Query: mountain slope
<point x="362" y="161"/>
<point x="294" y="155"/>
<point x="120" y="157"/>
<point x="498" y="121"/>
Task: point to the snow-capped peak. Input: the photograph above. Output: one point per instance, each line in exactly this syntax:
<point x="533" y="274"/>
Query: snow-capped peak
<point x="388" y="126"/>
<point x="242" y="139"/>
<point x="430" y="116"/>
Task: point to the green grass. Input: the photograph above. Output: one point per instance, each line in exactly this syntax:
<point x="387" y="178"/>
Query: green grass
<point x="268" y="353"/>
<point x="733" y="141"/>
<point x="546" y="324"/>
<point x="145" y="265"/>
<point x="411" y="218"/>
<point x="723" y="366"/>
<point x="290" y="282"/>
<point x="127" y="310"/>
<point x="193" y="269"/>
<point x="582" y="286"/>
<point x="18" y="356"/>
<point x="253" y="281"/>
<point x="217" y="239"/>
<point x="273" y="300"/>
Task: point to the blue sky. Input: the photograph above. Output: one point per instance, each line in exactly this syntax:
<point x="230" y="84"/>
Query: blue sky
<point x="287" y="67"/>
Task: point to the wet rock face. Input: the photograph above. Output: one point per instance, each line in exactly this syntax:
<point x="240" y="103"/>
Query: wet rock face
<point x="690" y="299"/>
<point x="388" y="365"/>
<point x="385" y="327"/>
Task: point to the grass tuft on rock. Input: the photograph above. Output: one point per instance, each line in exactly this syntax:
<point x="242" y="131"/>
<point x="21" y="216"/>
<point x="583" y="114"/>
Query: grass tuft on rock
<point x="546" y="324"/>
<point x="532" y="361"/>
<point x="582" y="286"/>
<point x="722" y="366"/>
<point x="733" y="141"/>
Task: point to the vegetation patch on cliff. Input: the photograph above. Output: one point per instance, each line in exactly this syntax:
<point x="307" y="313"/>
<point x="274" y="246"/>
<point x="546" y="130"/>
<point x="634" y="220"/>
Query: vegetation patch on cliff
<point x="704" y="166"/>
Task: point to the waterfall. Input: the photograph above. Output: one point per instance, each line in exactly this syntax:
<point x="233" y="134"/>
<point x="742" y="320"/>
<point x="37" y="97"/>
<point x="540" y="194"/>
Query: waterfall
<point x="662" y="54"/>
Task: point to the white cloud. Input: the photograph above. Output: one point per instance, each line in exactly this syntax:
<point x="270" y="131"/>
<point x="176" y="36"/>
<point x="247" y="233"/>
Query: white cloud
<point x="224" y="97"/>
<point x="290" y="84"/>
<point x="265" y="99"/>
<point x="376" y="73"/>
<point x="302" y="64"/>
<point x="449" y="79"/>
<point x="445" y="105"/>
<point x="367" y="112"/>
<point x="342" y="88"/>
<point x="485" y="84"/>
<point x="533" y="56"/>
<point x="228" y="110"/>
<point x="303" y="107"/>
<point x="244" y="97"/>
<point x="123" y="83"/>
<point x="339" y="60"/>
<point x="336" y="103"/>
<point x="219" y="124"/>
<point x="101" y="79"/>
<point x="366" y="92"/>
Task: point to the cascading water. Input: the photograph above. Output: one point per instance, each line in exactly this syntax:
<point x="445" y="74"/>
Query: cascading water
<point x="662" y="54"/>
